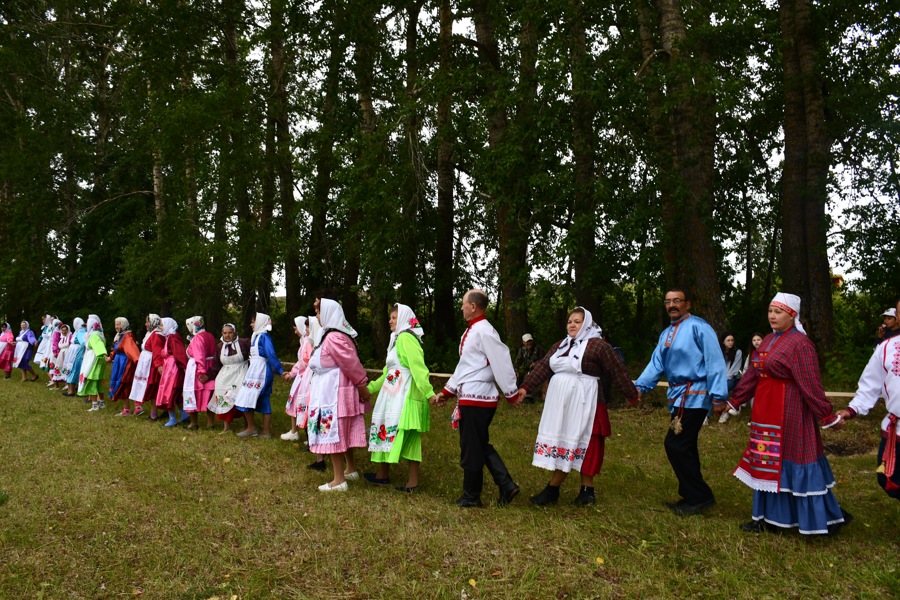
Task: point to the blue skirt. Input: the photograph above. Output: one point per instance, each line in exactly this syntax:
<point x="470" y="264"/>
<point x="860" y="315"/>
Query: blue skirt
<point x="118" y="370"/>
<point x="806" y="500"/>
<point x="76" y="366"/>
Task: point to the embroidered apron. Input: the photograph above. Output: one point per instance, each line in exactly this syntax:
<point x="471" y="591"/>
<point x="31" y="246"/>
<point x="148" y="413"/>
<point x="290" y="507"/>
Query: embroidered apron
<point x="389" y="405"/>
<point x="42" y="356"/>
<point x="322" y="426"/>
<point x="228" y="381"/>
<point x="71" y="357"/>
<point x="188" y="393"/>
<point x="141" y="376"/>
<point x="254" y="380"/>
<point x="760" y="465"/>
<point x="291" y="406"/>
<point x="64" y="343"/>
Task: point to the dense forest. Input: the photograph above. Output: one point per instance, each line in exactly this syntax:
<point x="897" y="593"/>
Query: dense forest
<point x="194" y="157"/>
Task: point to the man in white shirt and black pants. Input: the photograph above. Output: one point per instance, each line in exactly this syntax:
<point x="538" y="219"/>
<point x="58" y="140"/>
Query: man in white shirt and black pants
<point x="484" y="365"/>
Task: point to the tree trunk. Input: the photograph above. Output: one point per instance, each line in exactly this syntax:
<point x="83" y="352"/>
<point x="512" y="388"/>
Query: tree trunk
<point x="444" y="267"/>
<point x="805" y="269"/>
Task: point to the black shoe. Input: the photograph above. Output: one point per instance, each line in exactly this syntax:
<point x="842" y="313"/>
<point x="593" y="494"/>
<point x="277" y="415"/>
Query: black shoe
<point x="467" y="501"/>
<point x="405" y="490"/>
<point x="319" y="465"/>
<point x="585" y="497"/>
<point x="756" y="526"/>
<point x="836" y="528"/>
<point x="693" y="509"/>
<point x="507" y="495"/>
<point x="674" y="505"/>
<point x="549" y="496"/>
<point x="375" y="480"/>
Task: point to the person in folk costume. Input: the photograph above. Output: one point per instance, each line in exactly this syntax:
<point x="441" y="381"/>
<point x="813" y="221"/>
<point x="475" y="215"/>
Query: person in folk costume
<point x="42" y="354"/>
<point x="72" y="366"/>
<point x="62" y="348"/>
<point x="338" y="397"/>
<point x="93" y="365"/>
<point x="784" y="462"/>
<point x="484" y="366"/>
<point x="22" y="356"/>
<point x="231" y="361"/>
<point x="688" y="354"/>
<point x="145" y="384"/>
<point x="199" y="376"/>
<point x="124" y="356"/>
<point x="304" y="351"/>
<point x="53" y="357"/>
<point x="298" y="398"/>
<point x="881" y="378"/>
<point x="7" y="348"/>
<point x="171" y="372"/>
<point x="255" y="394"/>
<point x="401" y="413"/>
<point x="575" y="421"/>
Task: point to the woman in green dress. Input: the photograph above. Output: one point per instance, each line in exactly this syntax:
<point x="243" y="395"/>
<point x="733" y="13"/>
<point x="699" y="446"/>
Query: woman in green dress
<point x="93" y="364"/>
<point x="401" y="412"/>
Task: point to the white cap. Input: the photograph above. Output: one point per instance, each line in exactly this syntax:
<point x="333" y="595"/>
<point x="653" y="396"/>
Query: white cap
<point x="891" y="312"/>
<point x="527" y="338"/>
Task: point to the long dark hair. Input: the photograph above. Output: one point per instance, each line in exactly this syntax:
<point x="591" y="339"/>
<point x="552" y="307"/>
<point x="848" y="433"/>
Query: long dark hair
<point x="730" y="353"/>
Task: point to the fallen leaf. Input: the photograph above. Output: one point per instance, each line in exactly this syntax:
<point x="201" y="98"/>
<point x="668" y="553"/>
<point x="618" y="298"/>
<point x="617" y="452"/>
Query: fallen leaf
<point x="496" y="574"/>
<point x="600" y="560"/>
<point x="473" y="583"/>
<point x="226" y="460"/>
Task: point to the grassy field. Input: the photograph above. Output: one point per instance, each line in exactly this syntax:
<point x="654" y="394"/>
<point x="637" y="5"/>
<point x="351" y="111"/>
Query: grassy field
<point x="105" y="507"/>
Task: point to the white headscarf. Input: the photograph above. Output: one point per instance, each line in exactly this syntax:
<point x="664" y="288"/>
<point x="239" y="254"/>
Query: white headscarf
<point x="331" y="316"/>
<point x="315" y="330"/>
<point x="195" y="325"/>
<point x="589" y="331"/>
<point x="77" y="323"/>
<point x="169" y="326"/>
<point x="261" y="323"/>
<point x="790" y="304"/>
<point x="300" y="324"/>
<point x="48" y="320"/>
<point x="94" y="327"/>
<point x="124" y="326"/>
<point x="406" y="321"/>
<point x="154" y="321"/>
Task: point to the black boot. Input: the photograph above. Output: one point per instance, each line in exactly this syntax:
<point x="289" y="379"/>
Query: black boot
<point x="473" y="481"/>
<point x="585" y="496"/>
<point x="508" y="487"/>
<point x="549" y="496"/>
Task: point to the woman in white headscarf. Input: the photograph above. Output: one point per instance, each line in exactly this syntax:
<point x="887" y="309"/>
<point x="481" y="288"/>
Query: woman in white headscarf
<point x="53" y="356"/>
<point x="256" y="390"/>
<point x="42" y="355"/>
<point x="61" y="341"/>
<point x="784" y="462"/>
<point x="302" y="329"/>
<point x="401" y="413"/>
<point x="93" y="364"/>
<point x="72" y="366"/>
<point x="22" y="355"/>
<point x="230" y="365"/>
<point x="171" y="372"/>
<point x="338" y="397"/>
<point x="199" y="376"/>
<point x="7" y="347"/>
<point x="575" y="422"/>
<point x="124" y="357"/>
<point x="145" y="385"/>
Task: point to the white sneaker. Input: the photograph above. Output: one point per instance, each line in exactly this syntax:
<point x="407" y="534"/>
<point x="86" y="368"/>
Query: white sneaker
<point x="50" y="383"/>
<point x="93" y="408"/>
<point x="291" y="436"/>
<point x="734" y="412"/>
<point x="724" y="417"/>
<point x="341" y="487"/>
<point x="354" y="476"/>
<point x="706" y="420"/>
<point x="102" y="404"/>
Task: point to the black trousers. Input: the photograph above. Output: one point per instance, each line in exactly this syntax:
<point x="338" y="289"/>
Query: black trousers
<point x="685" y="457"/>
<point x="474" y="436"/>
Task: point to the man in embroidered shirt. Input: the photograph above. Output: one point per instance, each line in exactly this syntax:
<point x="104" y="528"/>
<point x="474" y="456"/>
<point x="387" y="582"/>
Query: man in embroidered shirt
<point x="688" y="354"/>
<point x="484" y="365"/>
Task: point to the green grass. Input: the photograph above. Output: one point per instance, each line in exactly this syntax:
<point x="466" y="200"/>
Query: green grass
<point x="105" y="507"/>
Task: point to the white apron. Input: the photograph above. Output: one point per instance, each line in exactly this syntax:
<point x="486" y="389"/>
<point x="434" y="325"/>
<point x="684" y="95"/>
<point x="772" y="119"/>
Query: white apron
<point x="141" y="376"/>
<point x="3" y="346"/>
<point x="322" y="425"/>
<point x="389" y="405"/>
<point x="567" y="419"/>
<point x="64" y="343"/>
<point x="254" y="380"/>
<point x="43" y="350"/>
<point x="71" y="357"/>
<point x="21" y="347"/>
<point x="228" y="381"/>
<point x="87" y="365"/>
<point x="188" y="393"/>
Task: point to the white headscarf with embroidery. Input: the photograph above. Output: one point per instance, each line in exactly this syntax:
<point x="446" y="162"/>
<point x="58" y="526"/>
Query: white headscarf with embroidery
<point x="332" y="317"/>
<point x="790" y="304"/>
<point x="94" y="327"/>
<point x="406" y="321"/>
